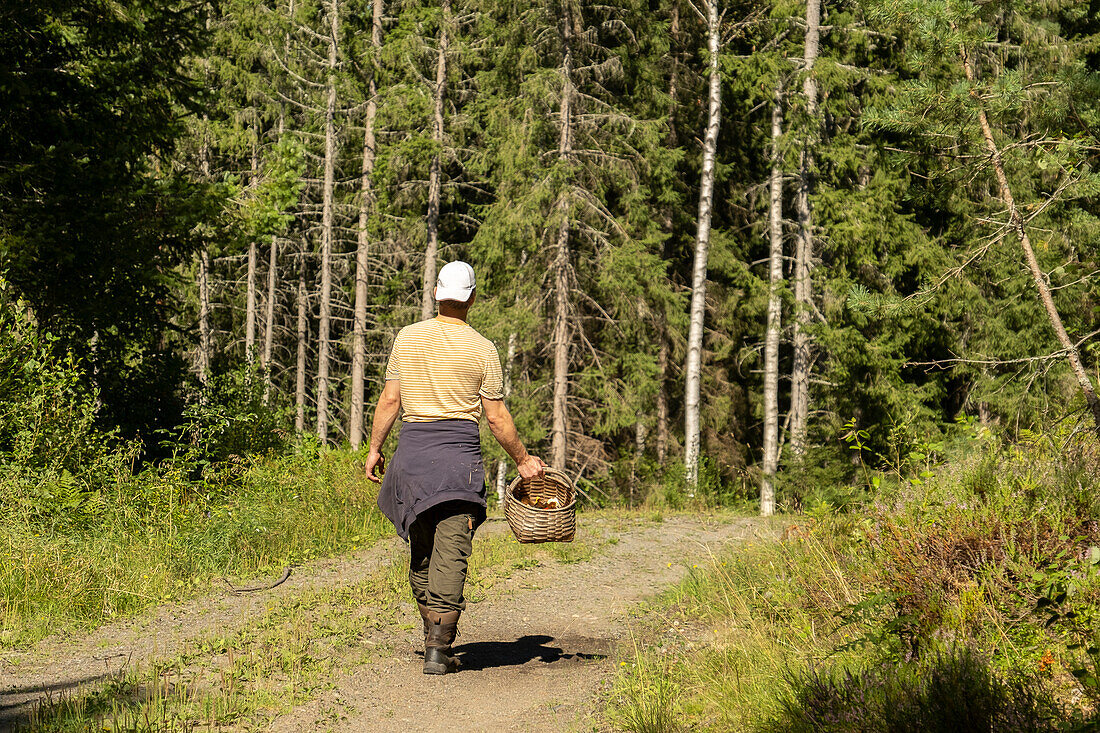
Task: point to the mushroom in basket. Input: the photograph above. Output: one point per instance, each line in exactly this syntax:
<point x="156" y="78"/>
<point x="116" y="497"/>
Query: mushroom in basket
<point x="539" y="502"/>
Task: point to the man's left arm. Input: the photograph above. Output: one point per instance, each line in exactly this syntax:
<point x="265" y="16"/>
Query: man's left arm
<point x="385" y="415"/>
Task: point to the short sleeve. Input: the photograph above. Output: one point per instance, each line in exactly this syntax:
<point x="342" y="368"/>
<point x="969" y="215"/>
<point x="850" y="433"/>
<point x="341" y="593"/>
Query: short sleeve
<point x="393" y="367"/>
<point x="492" y="380"/>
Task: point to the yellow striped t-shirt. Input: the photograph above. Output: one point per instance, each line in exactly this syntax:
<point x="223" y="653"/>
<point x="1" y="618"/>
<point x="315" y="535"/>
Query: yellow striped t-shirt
<point x="445" y="368"/>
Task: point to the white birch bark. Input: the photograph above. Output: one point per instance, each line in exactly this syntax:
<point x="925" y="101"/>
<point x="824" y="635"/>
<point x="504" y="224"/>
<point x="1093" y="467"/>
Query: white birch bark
<point x="272" y="283"/>
<point x="253" y="262"/>
<point x="804" y="250"/>
<point x="269" y="315"/>
<point x="662" y="421"/>
<point x="641" y="433"/>
<point x="328" y="204"/>
<point x="205" y="340"/>
<point x="435" y="174"/>
<point x="771" y="339"/>
<point x="250" y="306"/>
<point x="693" y="365"/>
<point x="501" y="480"/>
<point x="205" y="349"/>
<point x="560" y="426"/>
<point x="509" y="358"/>
<point x="303" y="346"/>
<point x="1073" y="356"/>
<point x="362" y="262"/>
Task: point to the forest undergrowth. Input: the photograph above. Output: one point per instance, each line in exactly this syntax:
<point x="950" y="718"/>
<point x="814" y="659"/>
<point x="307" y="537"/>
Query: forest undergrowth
<point x="92" y="529"/>
<point x="962" y="594"/>
<point x="157" y="539"/>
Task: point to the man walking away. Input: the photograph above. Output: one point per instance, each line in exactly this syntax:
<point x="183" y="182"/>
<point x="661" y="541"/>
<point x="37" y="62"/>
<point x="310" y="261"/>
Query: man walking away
<point x="441" y="376"/>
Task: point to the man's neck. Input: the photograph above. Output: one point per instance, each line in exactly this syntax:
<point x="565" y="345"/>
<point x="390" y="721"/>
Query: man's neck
<point x="450" y="316"/>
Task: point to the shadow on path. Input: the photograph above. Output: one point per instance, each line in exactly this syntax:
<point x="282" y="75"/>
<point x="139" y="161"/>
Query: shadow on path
<point x="18" y="702"/>
<point x="481" y="655"/>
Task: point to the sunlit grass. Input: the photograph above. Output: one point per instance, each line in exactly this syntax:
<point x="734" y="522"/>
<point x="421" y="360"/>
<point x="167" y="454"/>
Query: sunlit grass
<point x="284" y="511"/>
<point x="715" y="649"/>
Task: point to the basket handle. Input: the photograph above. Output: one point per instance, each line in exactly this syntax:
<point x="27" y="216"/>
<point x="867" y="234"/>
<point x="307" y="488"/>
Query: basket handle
<point x="549" y="472"/>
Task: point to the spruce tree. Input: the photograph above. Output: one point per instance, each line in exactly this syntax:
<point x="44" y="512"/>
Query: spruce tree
<point x="1003" y="80"/>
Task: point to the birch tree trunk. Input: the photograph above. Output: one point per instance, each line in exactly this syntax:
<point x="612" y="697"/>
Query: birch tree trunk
<point x="662" y="429"/>
<point x="205" y="341"/>
<point x="804" y="250"/>
<point x="303" y="346"/>
<point x="205" y="346"/>
<point x="269" y="315"/>
<point x="328" y="204"/>
<point x="435" y="183"/>
<point x="693" y="366"/>
<point x="362" y="263"/>
<point x="272" y="282"/>
<point x="560" y="429"/>
<point x="1073" y="356"/>
<point x="509" y="359"/>
<point x="205" y="350"/>
<point x="250" y="306"/>
<point x="253" y="263"/>
<point x="771" y="340"/>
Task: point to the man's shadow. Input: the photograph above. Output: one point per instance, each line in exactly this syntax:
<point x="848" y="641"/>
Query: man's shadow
<point x="491" y="654"/>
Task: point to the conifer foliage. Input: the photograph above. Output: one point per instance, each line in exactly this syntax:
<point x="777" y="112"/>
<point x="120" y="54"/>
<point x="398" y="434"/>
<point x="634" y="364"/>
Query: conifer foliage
<point x="772" y="224"/>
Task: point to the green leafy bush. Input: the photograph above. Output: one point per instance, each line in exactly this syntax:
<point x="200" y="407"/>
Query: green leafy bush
<point x="955" y="691"/>
<point x="55" y="460"/>
<point x="986" y="539"/>
<point x="229" y="422"/>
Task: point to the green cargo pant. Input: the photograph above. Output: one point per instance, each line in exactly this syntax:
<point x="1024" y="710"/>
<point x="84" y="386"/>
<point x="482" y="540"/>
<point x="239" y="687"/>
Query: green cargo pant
<point x="440" y="541"/>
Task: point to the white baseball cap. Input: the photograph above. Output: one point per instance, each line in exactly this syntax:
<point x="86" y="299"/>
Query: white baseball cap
<point x="455" y="282"/>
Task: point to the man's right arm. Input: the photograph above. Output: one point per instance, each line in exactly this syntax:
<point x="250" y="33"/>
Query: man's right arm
<point x="503" y="429"/>
<point x="385" y="415"/>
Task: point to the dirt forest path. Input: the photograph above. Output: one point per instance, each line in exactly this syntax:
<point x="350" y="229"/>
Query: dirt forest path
<point x="535" y="650"/>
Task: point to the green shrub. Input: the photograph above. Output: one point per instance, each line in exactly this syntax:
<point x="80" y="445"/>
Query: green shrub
<point x="997" y="549"/>
<point x="229" y="420"/>
<point x="978" y="544"/>
<point x="711" y="489"/>
<point x="55" y="460"/>
<point x="954" y="691"/>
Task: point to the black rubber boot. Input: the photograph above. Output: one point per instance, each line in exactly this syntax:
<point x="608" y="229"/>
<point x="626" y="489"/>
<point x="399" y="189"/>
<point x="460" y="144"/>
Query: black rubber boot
<point x="442" y="630"/>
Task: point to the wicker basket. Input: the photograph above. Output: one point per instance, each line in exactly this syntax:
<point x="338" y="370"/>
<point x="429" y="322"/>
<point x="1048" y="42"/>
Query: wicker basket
<point x="530" y="524"/>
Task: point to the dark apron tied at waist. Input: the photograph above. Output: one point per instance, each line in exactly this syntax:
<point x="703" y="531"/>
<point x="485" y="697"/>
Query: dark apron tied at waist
<point x="434" y="462"/>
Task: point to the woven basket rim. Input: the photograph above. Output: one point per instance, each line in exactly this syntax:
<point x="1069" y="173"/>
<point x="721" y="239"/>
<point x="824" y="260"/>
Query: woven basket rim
<point x="559" y="475"/>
